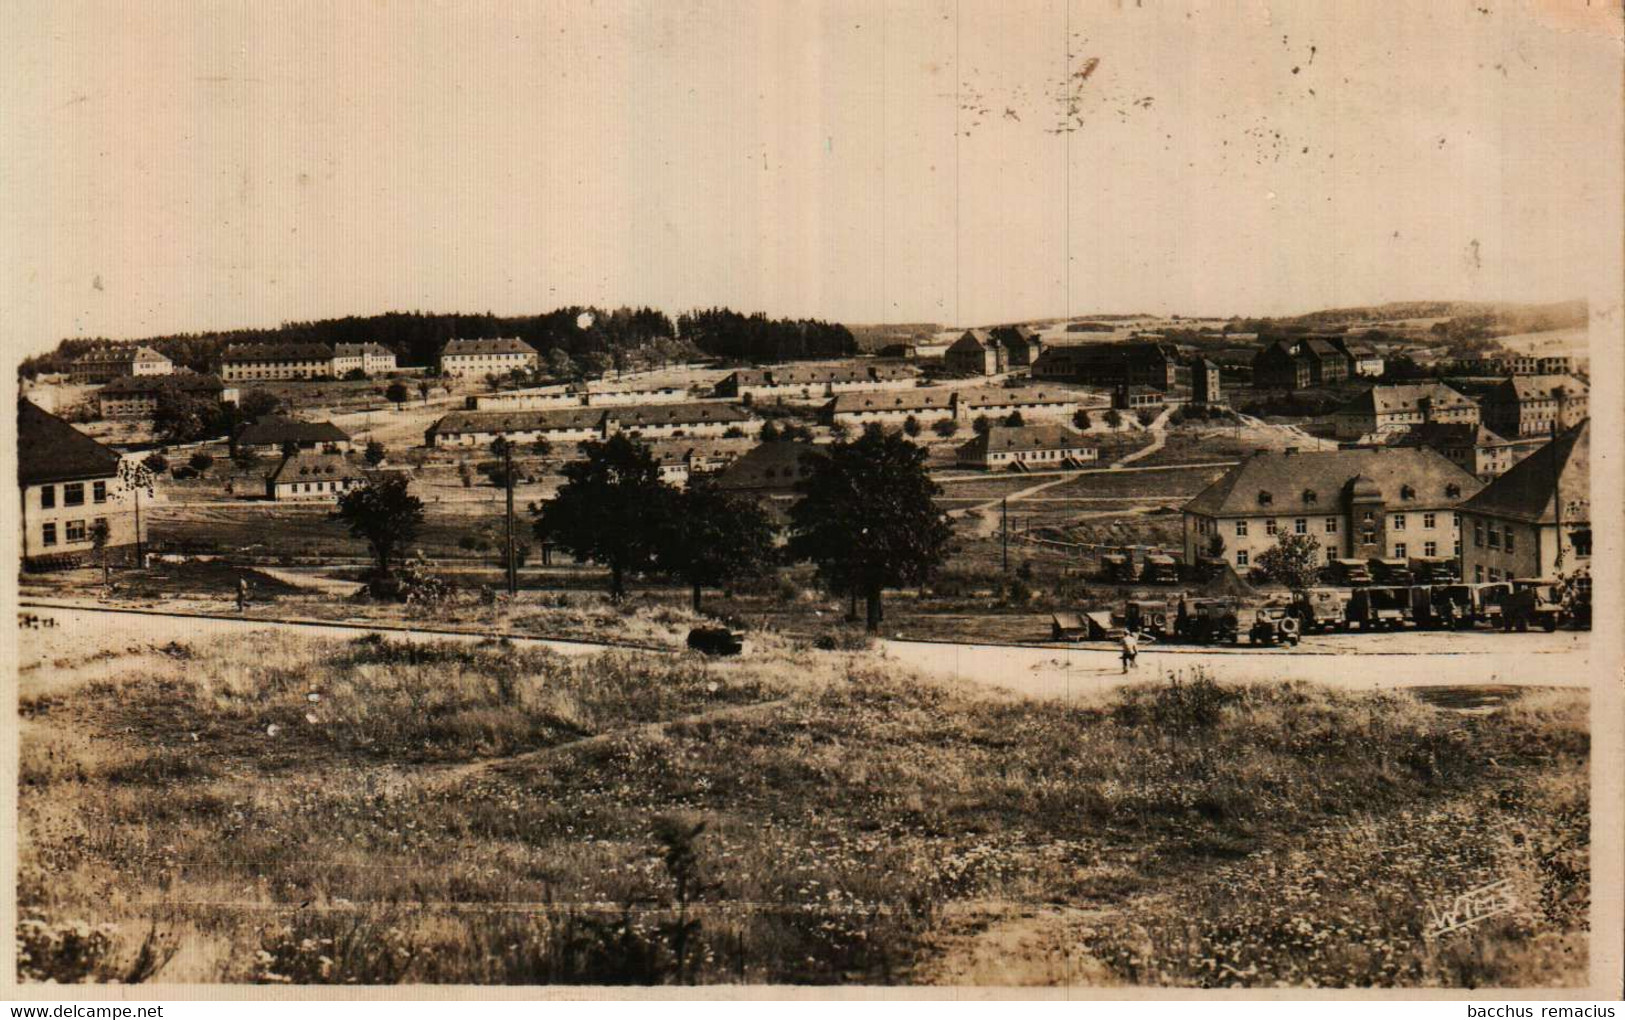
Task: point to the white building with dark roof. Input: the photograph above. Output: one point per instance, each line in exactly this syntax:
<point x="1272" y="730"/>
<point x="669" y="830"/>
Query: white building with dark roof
<point x="1398" y="407"/>
<point x="579" y="424"/>
<point x="1359" y="503"/>
<point x="486" y="357"/>
<point x="1535" y="520"/>
<point x="68" y="484"/>
<point x="274" y="362"/>
<point x="1026" y="447"/>
<point x="103" y="364"/>
<point x="369" y="359"/>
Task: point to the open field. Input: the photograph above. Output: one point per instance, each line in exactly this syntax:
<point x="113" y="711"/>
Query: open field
<point x="273" y="809"/>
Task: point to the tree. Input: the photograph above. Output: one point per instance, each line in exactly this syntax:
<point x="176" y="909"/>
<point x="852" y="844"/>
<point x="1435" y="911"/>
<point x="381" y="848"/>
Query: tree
<point x="201" y="461"/>
<point x="559" y="364"/>
<point x="1294" y="560"/>
<point x="1080" y="419"/>
<point x="156" y="463"/>
<point x="945" y="427"/>
<point x="99" y="534"/>
<point x="375" y="453"/>
<point x="383" y="513"/>
<point x="610" y="510"/>
<point x="770" y="432"/>
<point x="397" y="393"/>
<point x="1215" y="545"/>
<point x="181" y="418"/>
<point x="911" y="426"/>
<point x="423" y="389"/>
<point x="981" y="425"/>
<point x="1014" y="420"/>
<point x="1114" y="418"/>
<point x="715" y="537"/>
<point x="258" y="403"/>
<point x="867" y="518"/>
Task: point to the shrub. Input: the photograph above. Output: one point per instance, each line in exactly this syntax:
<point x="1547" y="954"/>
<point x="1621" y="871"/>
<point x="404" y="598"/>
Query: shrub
<point x="201" y="461"/>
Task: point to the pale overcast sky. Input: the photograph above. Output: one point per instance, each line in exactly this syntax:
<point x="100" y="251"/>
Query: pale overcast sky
<point x="185" y="166"/>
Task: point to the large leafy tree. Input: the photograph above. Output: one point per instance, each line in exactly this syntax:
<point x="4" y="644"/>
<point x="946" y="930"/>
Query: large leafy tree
<point x="716" y="537"/>
<point x="610" y="510"/>
<point x="867" y="518"/>
<point x="183" y="418"/>
<point x="1294" y="560"/>
<point x="385" y="514"/>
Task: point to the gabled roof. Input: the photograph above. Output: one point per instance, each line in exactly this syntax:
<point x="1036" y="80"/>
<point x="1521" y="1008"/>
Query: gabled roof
<point x="1016" y="397"/>
<point x="769" y="465"/>
<point x="1278" y="483"/>
<point x="1531" y="490"/>
<point x="314" y="467"/>
<point x="51" y="450"/>
<point x="1023" y="439"/>
<point x="274" y="430"/>
<point x="1445" y="435"/>
<point x="971" y="340"/>
<point x="1538" y="387"/>
<point x="630" y="416"/>
<point x="370" y="350"/>
<point x="504" y="345"/>
<point x="683" y="413"/>
<point x="1406" y="398"/>
<point x="896" y="400"/>
<point x="239" y="353"/>
<point x="187" y="382"/>
<point x="124" y="352"/>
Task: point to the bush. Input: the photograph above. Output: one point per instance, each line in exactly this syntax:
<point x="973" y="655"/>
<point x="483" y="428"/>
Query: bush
<point x="844" y="639"/>
<point x="201" y="461"/>
<point x="157" y="463"/>
<point x="183" y="472"/>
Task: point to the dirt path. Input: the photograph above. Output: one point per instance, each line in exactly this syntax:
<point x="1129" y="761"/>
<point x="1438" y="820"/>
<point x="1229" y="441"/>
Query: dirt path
<point x="985" y="524"/>
<point x="1001" y="944"/>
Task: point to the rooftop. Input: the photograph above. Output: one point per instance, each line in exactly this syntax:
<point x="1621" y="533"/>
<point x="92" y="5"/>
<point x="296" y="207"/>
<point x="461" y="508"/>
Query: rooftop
<point x="1555" y="479"/>
<point x="1281" y="482"/>
<point x="502" y="345"/>
<point x="51" y="450"/>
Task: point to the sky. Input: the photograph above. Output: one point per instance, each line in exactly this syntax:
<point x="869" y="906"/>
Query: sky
<point x="178" y="167"/>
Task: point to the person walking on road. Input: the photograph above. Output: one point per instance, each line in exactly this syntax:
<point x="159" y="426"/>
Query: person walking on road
<point x="1131" y="650"/>
<point x="242" y="594"/>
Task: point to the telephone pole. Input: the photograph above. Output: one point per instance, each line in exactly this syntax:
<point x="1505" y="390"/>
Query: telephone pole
<point x="1004" y="517"/>
<point x="507" y="479"/>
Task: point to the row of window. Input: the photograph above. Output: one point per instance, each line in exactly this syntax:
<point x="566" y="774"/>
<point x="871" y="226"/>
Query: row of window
<point x="1494" y="537"/>
<point x="72" y="531"/>
<point x="73" y="494"/>
<point x="1401" y="551"/>
<point x="1300" y="525"/>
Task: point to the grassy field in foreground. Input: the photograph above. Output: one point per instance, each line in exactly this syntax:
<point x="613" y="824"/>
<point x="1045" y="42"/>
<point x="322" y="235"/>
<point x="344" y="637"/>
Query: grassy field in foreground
<point x="277" y="809"/>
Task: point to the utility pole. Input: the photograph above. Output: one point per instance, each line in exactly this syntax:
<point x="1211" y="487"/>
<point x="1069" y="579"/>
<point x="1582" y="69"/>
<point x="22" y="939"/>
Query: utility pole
<point x="507" y="479"/>
<point x="1004" y="518"/>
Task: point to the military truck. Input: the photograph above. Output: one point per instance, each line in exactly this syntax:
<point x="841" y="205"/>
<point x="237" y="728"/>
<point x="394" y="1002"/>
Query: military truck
<point x="1392" y="572"/>
<point x="1274" y="625"/>
<point x="1160" y="569"/>
<point x="1117" y="567"/>
<point x="1491" y="597"/>
<point x="1321" y="609"/>
<point x="1434" y="570"/>
<point x="1379" y="608"/>
<point x="1149" y="616"/>
<point x="1346" y="573"/>
<point x="1533" y="601"/>
<point x="1451" y="606"/>
<point x="1207" y="621"/>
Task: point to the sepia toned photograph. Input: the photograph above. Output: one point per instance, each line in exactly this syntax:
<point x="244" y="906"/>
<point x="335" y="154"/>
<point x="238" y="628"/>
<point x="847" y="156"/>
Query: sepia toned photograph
<point x="1056" y="497"/>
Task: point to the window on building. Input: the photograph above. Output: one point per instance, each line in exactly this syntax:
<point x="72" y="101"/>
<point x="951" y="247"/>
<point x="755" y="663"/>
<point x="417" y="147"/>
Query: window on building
<point x="1478" y="534"/>
<point x="101" y="522"/>
<point x="47" y="497"/>
<point x="1495" y="574"/>
<point x="75" y="531"/>
<point x="1430" y="548"/>
<point x="1241" y="557"/>
<point x="1300" y="526"/>
<point x="48" y="533"/>
<point x="1495" y="537"/>
<point x="73" y="494"/>
<point x="1478" y="573"/>
<point x="98" y="492"/>
<point x="1397" y="522"/>
<point x="1430" y="521"/>
<point x="1331" y="525"/>
<point x="1368" y="516"/>
<point x="1580" y="538"/>
<point x="1241" y="529"/>
<point x="1509" y="540"/>
<point x="1399" y="550"/>
<point x="1269" y="526"/>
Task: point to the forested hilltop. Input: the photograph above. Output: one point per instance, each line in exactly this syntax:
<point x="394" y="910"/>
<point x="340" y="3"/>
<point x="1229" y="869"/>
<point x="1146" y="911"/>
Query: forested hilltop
<point x="623" y="338"/>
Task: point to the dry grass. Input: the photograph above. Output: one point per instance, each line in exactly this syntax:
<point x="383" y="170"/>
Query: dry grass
<point x="481" y="814"/>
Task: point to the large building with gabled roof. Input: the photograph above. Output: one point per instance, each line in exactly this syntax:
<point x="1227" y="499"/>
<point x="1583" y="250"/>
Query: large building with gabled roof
<point x="486" y="357"/>
<point x="69" y="483"/>
<point x="1535" y="520"/>
<point x="1396" y="407"/>
<point x="1361" y="503"/>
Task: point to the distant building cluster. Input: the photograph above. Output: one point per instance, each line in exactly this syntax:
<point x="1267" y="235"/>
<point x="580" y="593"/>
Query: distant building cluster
<point x="812" y="382"/>
<point x="104" y="364"/>
<point x="929" y="406"/>
<point x="652" y="421"/>
<point x="136" y="396"/>
<point x="1299" y="362"/>
<point x="288" y="362"/>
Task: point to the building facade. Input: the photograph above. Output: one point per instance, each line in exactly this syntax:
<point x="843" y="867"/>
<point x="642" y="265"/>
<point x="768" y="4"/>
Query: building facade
<point x="486" y="357"/>
<point x="1395" y="408"/>
<point x="138" y="396"/>
<point x="1535" y="520"/>
<point x="1027" y="447"/>
<point x="104" y="364"/>
<point x="274" y="362"/>
<point x="319" y="477"/>
<point x="69" y="484"/>
<point x="976" y="352"/>
<point x="574" y="425"/>
<point x="1473" y="448"/>
<point x="1360" y="503"/>
<point x="1109" y="365"/>
<point x="368" y="359"/>
<point x="275" y="433"/>
<point x="813" y="382"/>
<point x="1536" y="405"/>
<point x="1293" y="363"/>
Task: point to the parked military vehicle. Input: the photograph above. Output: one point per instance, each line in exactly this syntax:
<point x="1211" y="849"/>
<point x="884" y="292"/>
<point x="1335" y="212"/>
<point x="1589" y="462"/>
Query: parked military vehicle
<point x="1274" y="625"/>
<point x="1160" y="569"/>
<point x="716" y="641"/>
<point x="1434" y="570"/>
<point x="1379" y="608"/>
<point x="1451" y="606"/>
<point x="1390" y="572"/>
<point x="1149" y="616"/>
<point x="1207" y="621"/>
<point x="1533" y="601"/>
<point x="1578" y="596"/>
<point x="1117" y="567"/>
<point x="1346" y="573"/>
<point x="1491" y="597"/>
<point x="1321" y="609"/>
